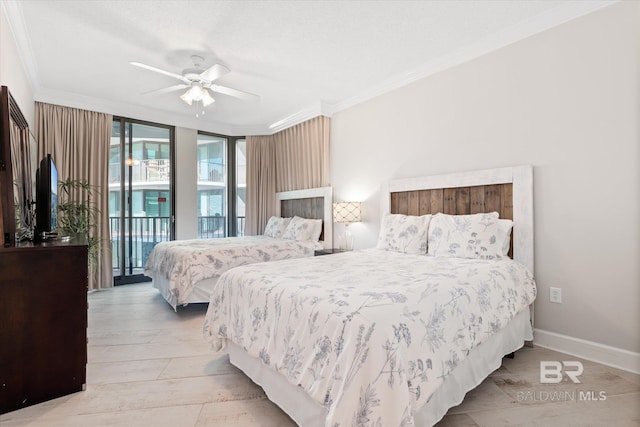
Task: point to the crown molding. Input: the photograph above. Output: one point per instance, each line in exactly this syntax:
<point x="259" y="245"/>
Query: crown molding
<point x="76" y="100"/>
<point x="535" y="25"/>
<point x="132" y="111"/>
<point x="528" y="28"/>
<point x="15" y="18"/>
<point x="314" y="110"/>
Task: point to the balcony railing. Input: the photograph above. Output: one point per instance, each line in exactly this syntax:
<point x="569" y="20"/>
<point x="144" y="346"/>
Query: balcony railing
<point x="212" y="227"/>
<point x="158" y="170"/>
<point x="146" y="232"/>
<point x="150" y="170"/>
<point x="209" y="171"/>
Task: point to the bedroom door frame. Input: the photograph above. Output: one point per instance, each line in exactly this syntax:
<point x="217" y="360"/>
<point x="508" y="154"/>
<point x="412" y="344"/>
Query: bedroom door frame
<point x="127" y="271"/>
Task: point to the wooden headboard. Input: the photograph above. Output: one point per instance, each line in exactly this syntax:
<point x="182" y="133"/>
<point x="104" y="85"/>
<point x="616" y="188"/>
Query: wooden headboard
<point x="313" y="203"/>
<point x="508" y="191"/>
<point x="457" y="201"/>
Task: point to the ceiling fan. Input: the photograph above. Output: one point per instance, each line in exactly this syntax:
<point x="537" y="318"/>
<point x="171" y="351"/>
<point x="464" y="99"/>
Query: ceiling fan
<point x="198" y="82"/>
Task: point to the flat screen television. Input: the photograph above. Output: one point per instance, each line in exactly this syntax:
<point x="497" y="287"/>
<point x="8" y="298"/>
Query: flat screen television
<point x="46" y="198"/>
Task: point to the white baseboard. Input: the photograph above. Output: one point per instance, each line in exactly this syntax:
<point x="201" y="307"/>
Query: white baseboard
<point x="589" y="350"/>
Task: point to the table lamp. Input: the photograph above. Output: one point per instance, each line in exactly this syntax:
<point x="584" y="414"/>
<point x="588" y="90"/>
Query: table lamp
<point x="346" y="213"/>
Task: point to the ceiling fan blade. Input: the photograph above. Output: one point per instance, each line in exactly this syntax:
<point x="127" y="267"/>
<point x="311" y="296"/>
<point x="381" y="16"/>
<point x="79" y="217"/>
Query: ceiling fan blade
<point x="234" y="92"/>
<point x="158" y="70"/>
<point x="214" y="72"/>
<point x="166" y="89"/>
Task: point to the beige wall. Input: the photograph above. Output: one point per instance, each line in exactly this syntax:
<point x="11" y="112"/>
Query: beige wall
<point x="565" y="101"/>
<point x="186" y="184"/>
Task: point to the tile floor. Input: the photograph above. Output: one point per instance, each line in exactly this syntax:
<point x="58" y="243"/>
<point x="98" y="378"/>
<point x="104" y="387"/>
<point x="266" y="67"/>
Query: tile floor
<point x="150" y="366"/>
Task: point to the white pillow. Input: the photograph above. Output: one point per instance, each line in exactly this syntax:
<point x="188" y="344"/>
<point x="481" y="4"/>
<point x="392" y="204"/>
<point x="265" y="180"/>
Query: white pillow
<point x="506" y="226"/>
<point x="276" y="226"/>
<point x="317" y="230"/>
<point x="404" y="233"/>
<point x="300" y="229"/>
<point x="480" y="236"/>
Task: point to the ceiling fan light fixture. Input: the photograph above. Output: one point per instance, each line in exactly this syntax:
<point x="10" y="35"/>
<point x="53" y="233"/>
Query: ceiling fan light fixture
<point x="197" y="93"/>
<point x="192" y="94"/>
<point x="206" y="98"/>
<point x="198" y="83"/>
<point x="186" y="97"/>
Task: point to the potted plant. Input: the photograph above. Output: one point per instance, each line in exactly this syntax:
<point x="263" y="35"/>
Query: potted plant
<point x="77" y="215"/>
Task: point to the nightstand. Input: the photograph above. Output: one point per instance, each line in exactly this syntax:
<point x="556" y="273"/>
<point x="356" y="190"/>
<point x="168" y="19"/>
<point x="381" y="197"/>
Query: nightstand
<point x="328" y="251"/>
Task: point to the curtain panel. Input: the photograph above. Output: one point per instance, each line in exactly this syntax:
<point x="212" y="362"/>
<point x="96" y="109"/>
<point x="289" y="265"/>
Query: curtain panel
<point x="302" y="155"/>
<point x="296" y="158"/>
<point x="78" y="140"/>
<point x="261" y="183"/>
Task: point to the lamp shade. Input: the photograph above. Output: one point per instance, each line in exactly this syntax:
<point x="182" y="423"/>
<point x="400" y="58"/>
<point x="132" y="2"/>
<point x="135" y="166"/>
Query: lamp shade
<point x="347" y="212"/>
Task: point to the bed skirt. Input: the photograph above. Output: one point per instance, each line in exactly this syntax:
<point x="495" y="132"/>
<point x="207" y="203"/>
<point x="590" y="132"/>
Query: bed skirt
<point x="200" y="293"/>
<point x="480" y="363"/>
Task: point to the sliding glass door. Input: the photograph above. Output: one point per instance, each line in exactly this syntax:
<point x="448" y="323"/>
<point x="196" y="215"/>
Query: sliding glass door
<point x="212" y="186"/>
<point x="221" y="173"/>
<point x="141" y="194"/>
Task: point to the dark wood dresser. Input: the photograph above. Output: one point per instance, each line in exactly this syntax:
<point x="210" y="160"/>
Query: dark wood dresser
<point x="43" y="322"/>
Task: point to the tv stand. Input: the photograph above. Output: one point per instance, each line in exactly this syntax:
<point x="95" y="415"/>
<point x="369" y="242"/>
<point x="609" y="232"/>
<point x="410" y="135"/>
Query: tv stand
<point x="43" y="318"/>
<point x="45" y="236"/>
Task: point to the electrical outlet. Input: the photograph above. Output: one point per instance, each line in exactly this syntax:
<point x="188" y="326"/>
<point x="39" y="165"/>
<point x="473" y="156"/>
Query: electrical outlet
<point x="555" y="295"/>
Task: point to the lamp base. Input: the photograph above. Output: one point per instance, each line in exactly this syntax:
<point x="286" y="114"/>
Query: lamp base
<point x="345" y="242"/>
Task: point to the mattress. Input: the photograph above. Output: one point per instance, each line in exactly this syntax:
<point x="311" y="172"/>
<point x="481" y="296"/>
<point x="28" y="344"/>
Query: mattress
<point x="369" y="336"/>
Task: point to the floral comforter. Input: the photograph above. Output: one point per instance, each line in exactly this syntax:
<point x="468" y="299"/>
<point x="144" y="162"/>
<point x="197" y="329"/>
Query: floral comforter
<point x="185" y="262"/>
<point x="368" y="334"/>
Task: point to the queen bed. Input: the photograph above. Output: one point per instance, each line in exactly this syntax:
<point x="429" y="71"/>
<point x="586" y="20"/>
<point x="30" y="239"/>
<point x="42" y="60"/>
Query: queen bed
<point x="185" y="271"/>
<point x="397" y="334"/>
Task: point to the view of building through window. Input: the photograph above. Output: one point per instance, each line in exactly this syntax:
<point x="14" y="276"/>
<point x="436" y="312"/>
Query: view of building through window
<point x="139" y="194"/>
<point x="241" y="184"/>
<point x="217" y="212"/>
<point x="212" y="186"/>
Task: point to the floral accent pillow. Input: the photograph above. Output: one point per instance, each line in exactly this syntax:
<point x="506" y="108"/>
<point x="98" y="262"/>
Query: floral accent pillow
<point x="300" y="229"/>
<point x="404" y="233"/>
<point x="479" y="236"/>
<point x="276" y="226"/>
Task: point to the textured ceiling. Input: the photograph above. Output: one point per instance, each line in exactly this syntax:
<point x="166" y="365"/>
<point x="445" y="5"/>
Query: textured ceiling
<point x="300" y="57"/>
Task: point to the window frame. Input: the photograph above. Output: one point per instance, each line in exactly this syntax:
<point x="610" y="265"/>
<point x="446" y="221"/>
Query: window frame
<point x="231" y="198"/>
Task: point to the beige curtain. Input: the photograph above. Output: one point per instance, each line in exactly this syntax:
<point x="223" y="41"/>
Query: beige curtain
<point x="293" y="159"/>
<point x="261" y="183"/>
<point x="302" y="155"/>
<point x="78" y="141"/>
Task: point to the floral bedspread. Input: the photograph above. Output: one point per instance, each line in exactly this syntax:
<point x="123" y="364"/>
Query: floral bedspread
<point x="185" y="262"/>
<point x="368" y="334"/>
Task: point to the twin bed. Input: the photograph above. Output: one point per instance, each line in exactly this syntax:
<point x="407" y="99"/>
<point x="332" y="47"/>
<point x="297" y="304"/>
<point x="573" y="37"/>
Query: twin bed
<point x="185" y="271"/>
<point x="397" y="334"/>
